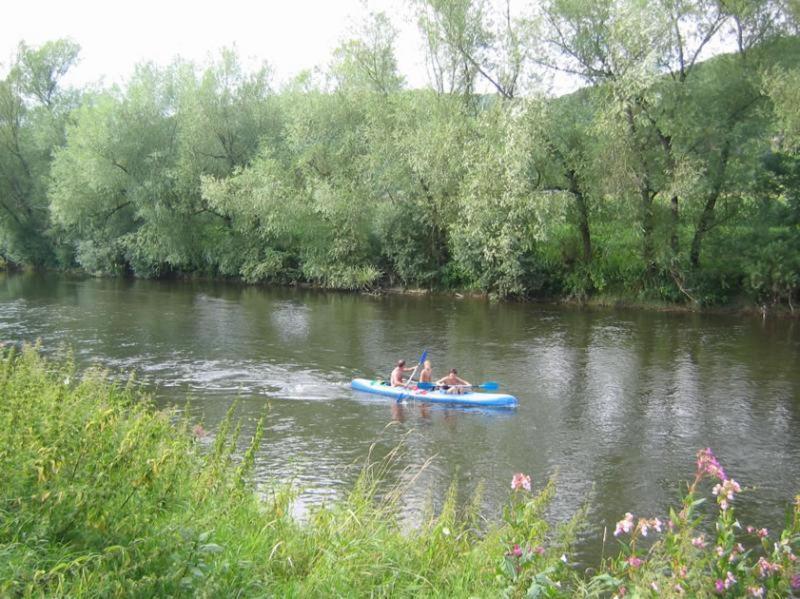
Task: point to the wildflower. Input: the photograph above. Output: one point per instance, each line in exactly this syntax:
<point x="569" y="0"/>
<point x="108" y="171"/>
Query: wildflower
<point x="762" y="533"/>
<point x="750" y="529"/>
<point x="726" y="492"/>
<point x="719" y="586"/>
<point x="199" y="431"/>
<point x="765" y="568"/>
<point x="678" y="589"/>
<point x="683" y="572"/>
<point x="643" y="526"/>
<point x="756" y="591"/>
<point x="654" y="586"/>
<point x="446" y="532"/>
<point x="670" y="524"/>
<point x="625" y="525"/>
<point x="730" y="580"/>
<point x="720" y="551"/>
<point x="521" y="481"/>
<point x="707" y="464"/>
<point x="539" y="550"/>
<point x="699" y="542"/>
<point x="795" y="582"/>
<point x="564" y="558"/>
<point x="656" y="524"/>
<point x="634" y="562"/>
<point x="516" y="551"/>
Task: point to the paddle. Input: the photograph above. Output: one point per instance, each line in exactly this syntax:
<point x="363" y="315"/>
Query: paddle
<point x="487" y="386"/>
<point x="413" y="372"/>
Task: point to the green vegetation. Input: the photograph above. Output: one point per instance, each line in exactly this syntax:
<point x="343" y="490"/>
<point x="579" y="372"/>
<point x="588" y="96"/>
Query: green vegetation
<point x="670" y="177"/>
<point x="103" y="496"/>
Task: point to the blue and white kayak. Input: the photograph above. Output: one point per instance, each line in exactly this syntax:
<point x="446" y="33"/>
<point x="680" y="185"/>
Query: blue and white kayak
<point x="434" y="395"/>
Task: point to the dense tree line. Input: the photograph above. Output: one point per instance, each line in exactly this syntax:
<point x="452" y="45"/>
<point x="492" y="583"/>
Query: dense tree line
<point x="669" y="175"/>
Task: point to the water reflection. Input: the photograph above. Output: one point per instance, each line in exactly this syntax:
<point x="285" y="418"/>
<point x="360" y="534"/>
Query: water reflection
<point x="617" y="403"/>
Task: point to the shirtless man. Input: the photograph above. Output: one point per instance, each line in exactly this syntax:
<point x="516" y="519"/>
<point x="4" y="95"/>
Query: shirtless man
<point x="396" y="379"/>
<point x="452" y="383"/>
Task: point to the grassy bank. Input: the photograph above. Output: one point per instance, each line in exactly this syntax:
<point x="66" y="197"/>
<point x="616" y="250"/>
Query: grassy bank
<point x="101" y="495"/>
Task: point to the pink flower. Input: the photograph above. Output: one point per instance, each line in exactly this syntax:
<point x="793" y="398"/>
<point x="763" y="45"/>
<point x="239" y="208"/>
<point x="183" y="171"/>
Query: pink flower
<point x="719" y="586"/>
<point x="729" y="580"/>
<point x="539" y="550"/>
<point x="625" y="525"/>
<point x="762" y="533"/>
<point x="656" y="523"/>
<point x="795" y="582"/>
<point x="634" y="562"/>
<point x="707" y="464"/>
<point x="765" y="568"/>
<point x="699" y="542"/>
<point x="756" y="591"/>
<point x="643" y="526"/>
<point x="750" y="529"/>
<point x="516" y="551"/>
<point x="726" y="492"/>
<point x="521" y="481"/>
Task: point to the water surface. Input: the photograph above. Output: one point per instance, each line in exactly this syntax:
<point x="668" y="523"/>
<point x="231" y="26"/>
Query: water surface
<point x="615" y="402"/>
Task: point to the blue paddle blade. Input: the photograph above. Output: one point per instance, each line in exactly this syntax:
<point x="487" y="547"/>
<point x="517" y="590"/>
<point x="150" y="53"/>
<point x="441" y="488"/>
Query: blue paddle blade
<point x="423" y="356"/>
<point x="490" y="386"/>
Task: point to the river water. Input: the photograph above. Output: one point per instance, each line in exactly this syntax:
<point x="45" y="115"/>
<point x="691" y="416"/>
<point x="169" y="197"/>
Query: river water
<point x="614" y="403"/>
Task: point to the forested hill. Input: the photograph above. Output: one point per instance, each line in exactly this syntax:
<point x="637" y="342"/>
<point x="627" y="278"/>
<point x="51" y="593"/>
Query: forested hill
<point x="667" y="177"/>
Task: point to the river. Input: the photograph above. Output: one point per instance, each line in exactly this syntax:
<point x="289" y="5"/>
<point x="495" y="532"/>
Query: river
<point x="615" y="403"/>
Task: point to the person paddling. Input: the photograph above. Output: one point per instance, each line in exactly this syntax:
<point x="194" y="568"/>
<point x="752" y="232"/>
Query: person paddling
<point x="396" y="379"/>
<point x="426" y="372"/>
<point x="452" y="383"/>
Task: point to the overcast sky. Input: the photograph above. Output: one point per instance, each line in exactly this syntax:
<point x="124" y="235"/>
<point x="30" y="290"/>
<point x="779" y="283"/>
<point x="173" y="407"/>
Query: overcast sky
<point x="291" y="35"/>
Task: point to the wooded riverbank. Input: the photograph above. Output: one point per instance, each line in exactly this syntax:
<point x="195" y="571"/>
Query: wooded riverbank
<point x="671" y="176"/>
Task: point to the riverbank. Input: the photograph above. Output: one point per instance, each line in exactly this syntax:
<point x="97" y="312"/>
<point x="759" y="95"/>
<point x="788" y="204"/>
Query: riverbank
<point x="103" y="495"/>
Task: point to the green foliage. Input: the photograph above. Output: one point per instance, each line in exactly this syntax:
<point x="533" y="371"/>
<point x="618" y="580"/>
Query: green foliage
<point x="668" y="178"/>
<point x="33" y="112"/>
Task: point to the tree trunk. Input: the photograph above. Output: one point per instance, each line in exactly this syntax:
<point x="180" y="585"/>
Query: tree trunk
<point x="583" y="216"/>
<point x="707" y="217"/>
<point x="648" y="249"/>
<point x="703" y="225"/>
<point x="674" y="222"/>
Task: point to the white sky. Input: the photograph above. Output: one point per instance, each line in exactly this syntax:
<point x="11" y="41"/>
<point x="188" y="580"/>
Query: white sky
<point x="291" y="35"/>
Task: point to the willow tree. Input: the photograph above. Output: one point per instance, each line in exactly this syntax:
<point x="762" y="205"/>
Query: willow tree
<point x="33" y="111"/>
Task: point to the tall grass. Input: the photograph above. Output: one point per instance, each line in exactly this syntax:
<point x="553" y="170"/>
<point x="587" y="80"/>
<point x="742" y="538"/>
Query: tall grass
<point x="101" y="495"/>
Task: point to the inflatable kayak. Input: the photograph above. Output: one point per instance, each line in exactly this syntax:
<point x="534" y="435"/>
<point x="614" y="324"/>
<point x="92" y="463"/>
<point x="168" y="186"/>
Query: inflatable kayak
<point x="434" y="396"/>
